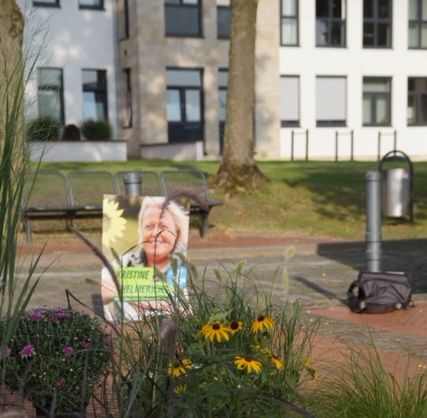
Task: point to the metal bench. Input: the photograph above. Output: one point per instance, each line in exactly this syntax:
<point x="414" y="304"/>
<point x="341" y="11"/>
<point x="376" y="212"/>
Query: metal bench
<point x="46" y="195"/>
<point x="49" y="194"/>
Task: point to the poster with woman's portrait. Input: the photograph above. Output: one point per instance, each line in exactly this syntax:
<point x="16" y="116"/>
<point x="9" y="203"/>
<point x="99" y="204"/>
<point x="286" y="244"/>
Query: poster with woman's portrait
<point x="145" y="240"/>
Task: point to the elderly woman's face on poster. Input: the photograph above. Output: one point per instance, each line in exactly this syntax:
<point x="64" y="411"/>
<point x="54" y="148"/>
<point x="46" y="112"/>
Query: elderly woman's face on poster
<point x="159" y="234"/>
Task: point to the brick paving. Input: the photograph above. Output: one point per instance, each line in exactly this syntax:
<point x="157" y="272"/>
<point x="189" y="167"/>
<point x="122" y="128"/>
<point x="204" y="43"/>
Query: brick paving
<point x="318" y="275"/>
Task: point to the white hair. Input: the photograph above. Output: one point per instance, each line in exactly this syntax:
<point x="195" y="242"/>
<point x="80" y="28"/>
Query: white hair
<point x="178" y="214"/>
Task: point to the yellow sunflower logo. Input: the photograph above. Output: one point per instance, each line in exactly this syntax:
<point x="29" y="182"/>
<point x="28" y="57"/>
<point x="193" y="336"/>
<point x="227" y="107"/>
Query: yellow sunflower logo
<point x="262" y="323"/>
<point x="248" y="364"/>
<point x="216" y="331"/>
<point x="113" y="224"/>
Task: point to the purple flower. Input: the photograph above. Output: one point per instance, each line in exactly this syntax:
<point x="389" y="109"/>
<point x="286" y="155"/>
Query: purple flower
<point x="59" y="383"/>
<point x="68" y="350"/>
<point x="37" y="315"/>
<point x="27" y="351"/>
<point x="86" y="345"/>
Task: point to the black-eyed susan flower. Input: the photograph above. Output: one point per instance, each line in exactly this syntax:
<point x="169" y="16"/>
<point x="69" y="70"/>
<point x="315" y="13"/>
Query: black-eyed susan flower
<point x="216" y="331"/>
<point x="236" y="326"/>
<point x="278" y="362"/>
<point x="248" y="364"/>
<point x="262" y="323"/>
<point x="180" y="367"/>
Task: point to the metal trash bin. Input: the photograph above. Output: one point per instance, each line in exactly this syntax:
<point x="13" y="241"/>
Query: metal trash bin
<point x="396" y="185"/>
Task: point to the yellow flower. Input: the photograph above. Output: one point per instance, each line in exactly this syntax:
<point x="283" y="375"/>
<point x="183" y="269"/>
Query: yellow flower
<point x="309" y="367"/>
<point x="236" y="326"/>
<point x="248" y="364"/>
<point x="180" y="367"/>
<point x="278" y="363"/>
<point x="180" y="389"/>
<point x="215" y="330"/>
<point x="262" y="323"/>
<point x="113" y="224"/>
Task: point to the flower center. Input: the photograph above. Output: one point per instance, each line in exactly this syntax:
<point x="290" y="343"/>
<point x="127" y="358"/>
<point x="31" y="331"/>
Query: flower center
<point x="216" y="327"/>
<point x="261" y="318"/>
<point x="234" y="325"/>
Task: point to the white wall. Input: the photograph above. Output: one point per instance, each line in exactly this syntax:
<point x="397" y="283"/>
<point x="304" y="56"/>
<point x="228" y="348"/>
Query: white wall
<point x="73" y="40"/>
<point x="354" y="62"/>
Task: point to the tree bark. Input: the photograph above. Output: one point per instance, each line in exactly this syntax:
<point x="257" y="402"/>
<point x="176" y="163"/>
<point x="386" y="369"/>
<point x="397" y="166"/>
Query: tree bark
<point x="238" y="170"/>
<point x="11" y="69"/>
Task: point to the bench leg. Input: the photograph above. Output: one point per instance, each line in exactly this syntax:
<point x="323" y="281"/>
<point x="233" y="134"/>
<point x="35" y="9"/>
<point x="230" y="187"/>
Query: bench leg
<point x="204" y="226"/>
<point x="28" y="232"/>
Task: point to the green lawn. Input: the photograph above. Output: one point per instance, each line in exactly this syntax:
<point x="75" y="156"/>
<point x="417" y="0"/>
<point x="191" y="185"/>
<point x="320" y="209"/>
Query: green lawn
<point x="310" y="198"/>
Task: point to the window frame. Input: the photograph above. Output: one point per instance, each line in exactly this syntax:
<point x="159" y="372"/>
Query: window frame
<point x="220" y="34"/>
<point x="419" y="24"/>
<point x="87" y="7"/>
<point x="41" y="3"/>
<point x="373" y="98"/>
<point x="289" y="18"/>
<point x="418" y="103"/>
<point x="52" y="88"/>
<point x="331" y="20"/>
<point x="100" y="90"/>
<point x="287" y="123"/>
<point x="182" y="89"/>
<point x="333" y="123"/>
<point x="181" y="5"/>
<point x="376" y="21"/>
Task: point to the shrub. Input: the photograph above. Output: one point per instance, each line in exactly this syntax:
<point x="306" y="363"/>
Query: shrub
<point x="55" y="357"/>
<point x="96" y="130"/>
<point x="44" y="128"/>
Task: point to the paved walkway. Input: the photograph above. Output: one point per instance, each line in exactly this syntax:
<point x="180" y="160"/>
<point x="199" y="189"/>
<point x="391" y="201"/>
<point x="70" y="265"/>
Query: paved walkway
<point x="318" y="274"/>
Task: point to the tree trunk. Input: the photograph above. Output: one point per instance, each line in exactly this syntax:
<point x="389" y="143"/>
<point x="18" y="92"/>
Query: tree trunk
<point x="11" y="71"/>
<point x="238" y="170"/>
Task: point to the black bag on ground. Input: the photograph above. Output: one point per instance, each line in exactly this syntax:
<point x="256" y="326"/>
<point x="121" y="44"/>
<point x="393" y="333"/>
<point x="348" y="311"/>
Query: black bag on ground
<point x="380" y="292"/>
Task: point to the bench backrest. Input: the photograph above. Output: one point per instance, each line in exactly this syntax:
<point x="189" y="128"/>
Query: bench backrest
<point x="185" y="180"/>
<point x="150" y="182"/>
<point x="46" y="189"/>
<point x="87" y="187"/>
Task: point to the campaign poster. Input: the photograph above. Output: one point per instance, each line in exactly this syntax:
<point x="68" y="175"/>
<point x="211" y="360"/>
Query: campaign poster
<point x="145" y="240"/>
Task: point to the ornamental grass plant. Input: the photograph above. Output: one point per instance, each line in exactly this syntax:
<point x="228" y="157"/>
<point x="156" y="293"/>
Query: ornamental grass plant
<point x="361" y="387"/>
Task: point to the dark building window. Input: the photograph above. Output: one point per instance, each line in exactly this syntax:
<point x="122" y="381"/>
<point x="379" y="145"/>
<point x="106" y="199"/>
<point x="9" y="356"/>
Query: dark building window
<point x="184" y="105"/>
<point x="330" y="23"/>
<point x="46" y="3"/>
<point x="222" y="105"/>
<point x="123" y="19"/>
<point x="51" y="93"/>
<point x="376" y="101"/>
<point x="289" y="24"/>
<point x="95" y="95"/>
<point x="127" y="108"/>
<point x="224" y="21"/>
<point x="417" y="101"/>
<point x="377" y="23"/>
<point x="91" y="4"/>
<point x="183" y="18"/>
<point x="417" y="30"/>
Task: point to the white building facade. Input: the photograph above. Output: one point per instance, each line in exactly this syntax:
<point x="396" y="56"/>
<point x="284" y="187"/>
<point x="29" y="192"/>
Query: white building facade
<point x="335" y="79"/>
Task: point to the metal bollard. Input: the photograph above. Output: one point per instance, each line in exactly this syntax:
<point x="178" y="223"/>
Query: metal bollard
<point x="373" y="221"/>
<point x="133" y="184"/>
